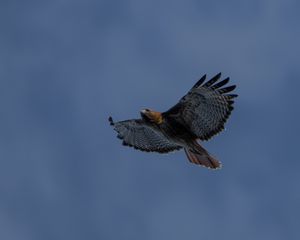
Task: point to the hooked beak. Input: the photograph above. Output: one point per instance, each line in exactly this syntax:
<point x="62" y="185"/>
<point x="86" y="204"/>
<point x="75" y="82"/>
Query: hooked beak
<point x="144" y="114"/>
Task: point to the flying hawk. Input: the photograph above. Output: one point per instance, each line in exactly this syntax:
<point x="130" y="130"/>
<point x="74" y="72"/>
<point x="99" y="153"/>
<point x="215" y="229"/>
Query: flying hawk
<point x="199" y="115"/>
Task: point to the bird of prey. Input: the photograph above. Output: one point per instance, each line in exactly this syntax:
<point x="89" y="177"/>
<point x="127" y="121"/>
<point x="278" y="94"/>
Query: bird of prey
<point x="199" y="115"/>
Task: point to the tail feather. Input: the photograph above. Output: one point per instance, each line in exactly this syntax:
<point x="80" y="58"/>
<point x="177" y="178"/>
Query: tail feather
<point x="201" y="157"/>
<point x="204" y="160"/>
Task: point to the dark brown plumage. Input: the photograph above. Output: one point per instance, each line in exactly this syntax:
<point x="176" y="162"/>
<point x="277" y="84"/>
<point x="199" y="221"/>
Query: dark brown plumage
<point x="199" y="115"/>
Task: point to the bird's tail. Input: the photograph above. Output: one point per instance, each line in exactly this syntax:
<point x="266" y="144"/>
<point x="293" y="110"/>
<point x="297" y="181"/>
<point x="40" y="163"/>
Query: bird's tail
<point x="198" y="155"/>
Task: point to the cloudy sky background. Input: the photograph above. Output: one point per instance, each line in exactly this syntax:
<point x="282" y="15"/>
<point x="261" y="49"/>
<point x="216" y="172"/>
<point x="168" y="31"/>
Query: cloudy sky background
<point x="67" y="65"/>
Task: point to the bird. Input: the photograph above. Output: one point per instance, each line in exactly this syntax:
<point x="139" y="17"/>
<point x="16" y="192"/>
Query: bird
<point x="198" y="116"/>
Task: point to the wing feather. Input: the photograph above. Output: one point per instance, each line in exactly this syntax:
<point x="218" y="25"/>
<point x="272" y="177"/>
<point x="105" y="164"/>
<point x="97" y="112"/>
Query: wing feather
<point x="226" y="89"/>
<point x="220" y="84"/>
<point x="143" y="136"/>
<point x="200" y="81"/>
<point x="212" y="81"/>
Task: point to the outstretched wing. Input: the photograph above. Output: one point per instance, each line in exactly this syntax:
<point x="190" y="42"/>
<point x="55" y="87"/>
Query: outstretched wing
<point x="143" y="136"/>
<point x="205" y="108"/>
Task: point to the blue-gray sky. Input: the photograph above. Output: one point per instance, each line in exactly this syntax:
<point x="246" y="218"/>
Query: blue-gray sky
<point x="67" y="65"/>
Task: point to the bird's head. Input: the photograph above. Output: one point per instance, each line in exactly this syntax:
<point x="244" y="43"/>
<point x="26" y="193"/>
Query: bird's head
<point x="152" y="116"/>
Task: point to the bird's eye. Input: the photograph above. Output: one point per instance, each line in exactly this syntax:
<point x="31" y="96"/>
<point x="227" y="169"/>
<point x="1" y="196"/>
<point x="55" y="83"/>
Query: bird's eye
<point x="147" y="110"/>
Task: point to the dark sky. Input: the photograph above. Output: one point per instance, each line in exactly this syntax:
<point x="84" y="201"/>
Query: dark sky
<point x="67" y="65"/>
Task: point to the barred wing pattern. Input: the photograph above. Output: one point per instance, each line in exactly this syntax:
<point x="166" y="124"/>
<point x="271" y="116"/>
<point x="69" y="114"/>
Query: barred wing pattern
<point x="140" y="135"/>
<point x="205" y="108"/>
